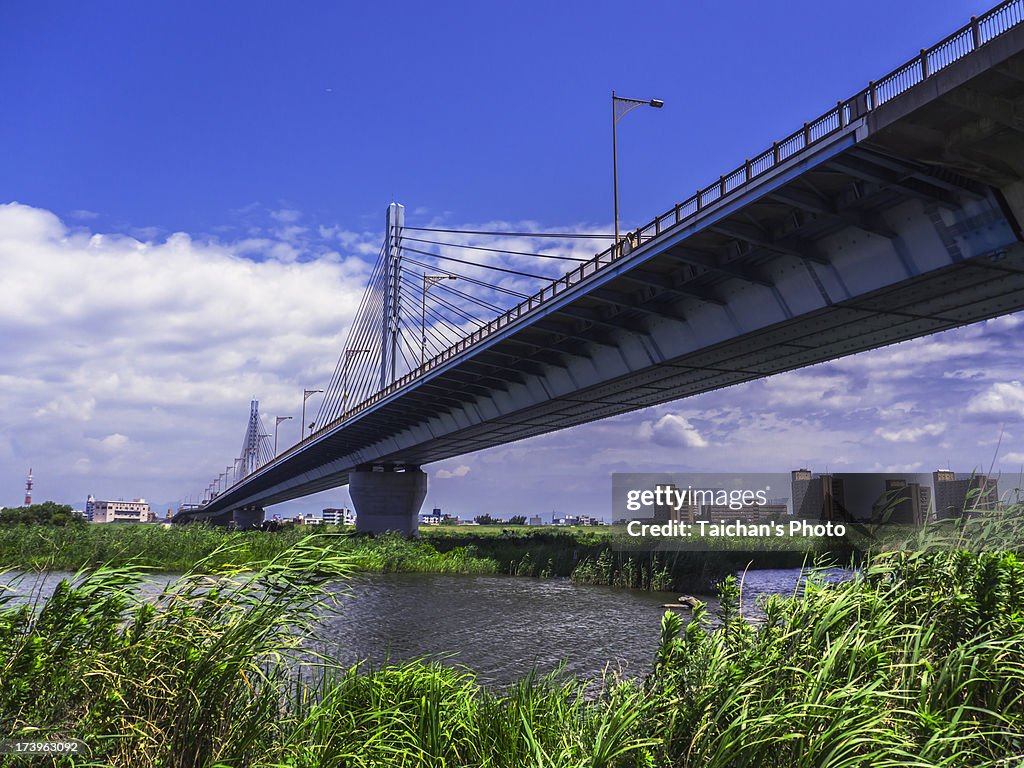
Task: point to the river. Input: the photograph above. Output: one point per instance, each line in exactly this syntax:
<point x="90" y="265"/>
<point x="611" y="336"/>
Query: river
<point x="499" y="626"/>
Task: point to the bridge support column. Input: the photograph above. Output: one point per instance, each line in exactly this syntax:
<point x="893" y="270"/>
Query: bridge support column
<point x="388" y="501"/>
<point x="248" y="517"/>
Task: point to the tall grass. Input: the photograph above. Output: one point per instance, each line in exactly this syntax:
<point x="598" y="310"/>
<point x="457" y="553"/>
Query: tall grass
<point x="182" y="548"/>
<point x="917" y="661"/>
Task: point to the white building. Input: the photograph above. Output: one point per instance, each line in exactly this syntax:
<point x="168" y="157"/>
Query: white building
<point x="136" y="511"/>
<point x="332" y="516"/>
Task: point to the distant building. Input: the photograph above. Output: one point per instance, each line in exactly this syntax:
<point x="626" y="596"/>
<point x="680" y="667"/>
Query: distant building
<point x="534" y="520"/>
<point x="90" y="505"/>
<point x="136" y="511"/>
<point x="437" y="517"/>
<point x="976" y="493"/>
<point x="904" y="503"/>
<point x="818" y="498"/>
<point x="748" y="513"/>
<point x="338" y="516"/>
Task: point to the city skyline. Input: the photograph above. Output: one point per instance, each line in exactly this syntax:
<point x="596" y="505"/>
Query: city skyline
<point x="142" y="312"/>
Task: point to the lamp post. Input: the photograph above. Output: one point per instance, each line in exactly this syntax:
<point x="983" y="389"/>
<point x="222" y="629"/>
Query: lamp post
<point x="349" y="354"/>
<point x="429" y="281"/>
<point x="306" y="394"/>
<point x="620" y="106"/>
<point x="277" y="423"/>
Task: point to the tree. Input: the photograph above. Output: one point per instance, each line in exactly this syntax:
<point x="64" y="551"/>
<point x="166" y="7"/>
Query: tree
<point x="484" y="519"/>
<point x="517" y="520"/>
<point x="47" y="513"/>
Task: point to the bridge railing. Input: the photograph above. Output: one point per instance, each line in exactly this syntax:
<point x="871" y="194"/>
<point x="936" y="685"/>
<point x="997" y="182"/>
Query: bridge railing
<point x="980" y="30"/>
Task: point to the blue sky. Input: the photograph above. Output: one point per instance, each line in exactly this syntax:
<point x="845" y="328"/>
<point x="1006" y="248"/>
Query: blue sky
<point x="191" y="193"/>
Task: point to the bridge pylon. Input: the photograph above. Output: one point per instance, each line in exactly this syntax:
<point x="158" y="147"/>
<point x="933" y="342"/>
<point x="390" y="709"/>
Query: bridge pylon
<point x="394" y="223"/>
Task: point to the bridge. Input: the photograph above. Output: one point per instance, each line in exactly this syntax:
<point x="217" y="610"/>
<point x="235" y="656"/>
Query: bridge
<point x="897" y="213"/>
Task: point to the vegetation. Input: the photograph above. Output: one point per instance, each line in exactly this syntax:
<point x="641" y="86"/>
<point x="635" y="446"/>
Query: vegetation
<point x="48" y="513"/>
<point x="586" y="555"/>
<point x="183" y="548"/>
<point x="918" y="661"/>
<point x="603" y="555"/>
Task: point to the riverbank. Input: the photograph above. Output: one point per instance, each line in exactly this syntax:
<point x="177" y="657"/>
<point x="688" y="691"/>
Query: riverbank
<point x="196" y="547"/>
<point x="606" y="556"/>
<point x="920" y="659"/>
<point x="593" y="556"/>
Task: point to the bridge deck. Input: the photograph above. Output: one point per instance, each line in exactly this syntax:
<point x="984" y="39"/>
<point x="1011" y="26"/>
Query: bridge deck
<point x="898" y="215"/>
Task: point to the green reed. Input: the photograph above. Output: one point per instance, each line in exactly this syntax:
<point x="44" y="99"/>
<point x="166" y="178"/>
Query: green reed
<point x="918" y="660"/>
<point x="181" y="548"/>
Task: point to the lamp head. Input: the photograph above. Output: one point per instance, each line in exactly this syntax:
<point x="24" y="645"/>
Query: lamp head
<point x="656" y="103"/>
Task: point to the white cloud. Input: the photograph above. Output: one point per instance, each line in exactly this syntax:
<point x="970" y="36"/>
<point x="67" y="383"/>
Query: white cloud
<point x="1004" y="399"/>
<point x="672" y="431"/>
<point x="810" y="390"/>
<point x="105" y="336"/>
<point x="910" y="434"/>
<point x="114" y="443"/>
<point x="286" y="215"/>
<point x="1014" y="457"/>
<point x="460" y="471"/>
<point x="888" y="468"/>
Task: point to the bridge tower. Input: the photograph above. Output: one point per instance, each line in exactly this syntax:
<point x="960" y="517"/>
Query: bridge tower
<point x="251" y="444"/>
<point x="392" y="277"/>
<point x="385" y="498"/>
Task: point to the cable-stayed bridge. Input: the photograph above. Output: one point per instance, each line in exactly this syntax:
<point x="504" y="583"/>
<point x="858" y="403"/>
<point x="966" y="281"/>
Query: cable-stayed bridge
<point x="897" y="213"/>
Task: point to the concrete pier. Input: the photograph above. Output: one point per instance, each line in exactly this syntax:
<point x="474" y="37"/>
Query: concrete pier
<point x="248" y="517"/>
<point x="387" y="500"/>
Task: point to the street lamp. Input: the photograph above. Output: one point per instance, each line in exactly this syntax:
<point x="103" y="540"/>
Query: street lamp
<point x="277" y="423"/>
<point x="306" y="394"/>
<point x="349" y="354"/>
<point x="429" y="281"/>
<point x="620" y="106"/>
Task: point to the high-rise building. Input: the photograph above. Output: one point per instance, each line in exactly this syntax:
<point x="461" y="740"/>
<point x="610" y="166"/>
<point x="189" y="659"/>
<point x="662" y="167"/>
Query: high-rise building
<point x="28" y="488"/>
<point x="818" y="498"/>
<point x="904" y="502"/>
<point x="955" y="496"/>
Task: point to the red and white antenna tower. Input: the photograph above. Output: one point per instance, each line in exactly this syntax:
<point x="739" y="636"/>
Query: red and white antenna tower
<point x="28" y="488"/>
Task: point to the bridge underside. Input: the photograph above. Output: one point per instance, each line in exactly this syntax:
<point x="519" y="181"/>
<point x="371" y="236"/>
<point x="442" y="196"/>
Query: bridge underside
<point x="905" y="223"/>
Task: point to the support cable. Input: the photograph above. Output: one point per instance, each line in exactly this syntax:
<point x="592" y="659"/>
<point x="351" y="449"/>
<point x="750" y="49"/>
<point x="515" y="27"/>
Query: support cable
<point x="364" y="330"/>
<point x="438" y="341"/>
<point x="461" y="312"/>
<point x="357" y="320"/>
<point x="364" y="364"/>
<point x="446" y="329"/>
<point x="473" y="280"/>
<point x="468" y="297"/>
<point x="497" y="250"/>
<point x="364" y="324"/>
<point x="482" y="266"/>
<point x="565" y="235"/>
